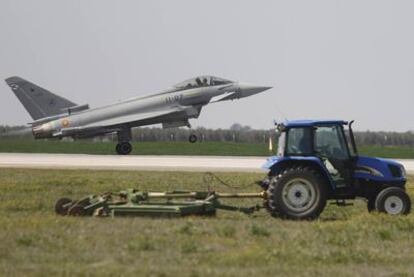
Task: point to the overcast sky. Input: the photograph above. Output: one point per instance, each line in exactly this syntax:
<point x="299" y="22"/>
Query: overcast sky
<point x="325" y="59"/>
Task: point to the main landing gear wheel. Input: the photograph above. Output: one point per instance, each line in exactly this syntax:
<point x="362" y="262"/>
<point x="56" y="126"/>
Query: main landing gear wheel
<point x="297" y="193"/>
<point x="192" y="138"/>
<point x="123" y="148"/>
<point x="394" y="201"/>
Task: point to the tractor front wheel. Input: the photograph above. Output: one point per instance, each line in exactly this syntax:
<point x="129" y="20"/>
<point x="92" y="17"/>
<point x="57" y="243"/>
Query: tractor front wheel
<point x="297" y="193"/>
<point x="394" y="201"/>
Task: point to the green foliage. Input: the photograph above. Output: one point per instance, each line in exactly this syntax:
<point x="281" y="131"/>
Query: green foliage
<point x="394" y="152"/>
<point x="177" y="148"/>
<point x="236" y="133"/>
<point x="140" y="148"/>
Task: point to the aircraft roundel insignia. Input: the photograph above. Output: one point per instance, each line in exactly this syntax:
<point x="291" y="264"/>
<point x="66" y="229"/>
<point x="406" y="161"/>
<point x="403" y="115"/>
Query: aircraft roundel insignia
<point x="65" y="123"/>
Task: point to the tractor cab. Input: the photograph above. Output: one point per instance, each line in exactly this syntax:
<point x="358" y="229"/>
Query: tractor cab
<point x="326" y="140"/>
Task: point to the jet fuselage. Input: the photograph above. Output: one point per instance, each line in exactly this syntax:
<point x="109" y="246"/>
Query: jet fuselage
<point x="57" y="117"/>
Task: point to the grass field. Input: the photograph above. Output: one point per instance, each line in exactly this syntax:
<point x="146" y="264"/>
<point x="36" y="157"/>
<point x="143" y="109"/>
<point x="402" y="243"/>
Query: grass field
<point x="35" y="242"/>
<point x="176" y="148"/>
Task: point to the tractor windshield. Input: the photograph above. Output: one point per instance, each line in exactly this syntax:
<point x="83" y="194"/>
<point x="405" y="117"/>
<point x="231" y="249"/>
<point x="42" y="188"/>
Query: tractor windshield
<point x="299" y="141"/>
<point x="330" y="142"/>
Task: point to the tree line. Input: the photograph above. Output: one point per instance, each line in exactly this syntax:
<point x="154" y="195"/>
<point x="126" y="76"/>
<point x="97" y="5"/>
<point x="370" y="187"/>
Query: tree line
<point x="236" y="133"/>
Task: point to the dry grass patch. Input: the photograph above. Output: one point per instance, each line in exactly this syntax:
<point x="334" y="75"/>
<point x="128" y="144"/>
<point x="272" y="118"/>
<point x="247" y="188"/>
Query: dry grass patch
<point x="34" y="241"/>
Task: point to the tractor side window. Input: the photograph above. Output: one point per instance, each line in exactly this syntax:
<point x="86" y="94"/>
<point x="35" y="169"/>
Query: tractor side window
<point x="299" y="141"/>
<point x="330" y="143"/>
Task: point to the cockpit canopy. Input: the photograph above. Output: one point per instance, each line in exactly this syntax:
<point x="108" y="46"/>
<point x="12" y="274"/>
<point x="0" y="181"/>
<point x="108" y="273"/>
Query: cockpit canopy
<point x="202" y="81"/>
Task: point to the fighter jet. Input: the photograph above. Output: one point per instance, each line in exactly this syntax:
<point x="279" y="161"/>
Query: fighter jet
<point x="57" y="117"/>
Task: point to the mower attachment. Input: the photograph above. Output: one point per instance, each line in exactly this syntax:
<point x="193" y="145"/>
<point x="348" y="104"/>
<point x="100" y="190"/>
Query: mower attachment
<point x="132" y="202"/>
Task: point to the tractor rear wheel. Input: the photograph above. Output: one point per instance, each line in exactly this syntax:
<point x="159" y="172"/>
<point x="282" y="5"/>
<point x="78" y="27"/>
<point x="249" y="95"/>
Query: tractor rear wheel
<point x="394" y="201"/>
<point x="297" y="193"/>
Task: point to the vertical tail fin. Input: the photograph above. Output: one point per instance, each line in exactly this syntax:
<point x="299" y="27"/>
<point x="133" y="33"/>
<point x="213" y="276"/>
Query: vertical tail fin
<point x="37" y="101"/>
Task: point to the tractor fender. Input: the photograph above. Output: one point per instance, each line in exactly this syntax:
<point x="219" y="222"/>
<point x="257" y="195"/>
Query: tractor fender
<point x="277" y="163"/>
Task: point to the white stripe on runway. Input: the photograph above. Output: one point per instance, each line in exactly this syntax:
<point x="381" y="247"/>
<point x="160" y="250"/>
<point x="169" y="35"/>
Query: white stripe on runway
<point x="159" y="163"/>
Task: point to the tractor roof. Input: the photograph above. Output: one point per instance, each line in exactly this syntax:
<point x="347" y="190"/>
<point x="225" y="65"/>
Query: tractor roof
<point x="310" y="123"/>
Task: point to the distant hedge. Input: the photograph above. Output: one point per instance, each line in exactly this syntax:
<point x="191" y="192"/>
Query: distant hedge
<point x="237" y="133"/>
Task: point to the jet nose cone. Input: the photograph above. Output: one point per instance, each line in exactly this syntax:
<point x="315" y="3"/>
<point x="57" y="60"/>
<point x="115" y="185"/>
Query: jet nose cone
<point x="247" y="90"/>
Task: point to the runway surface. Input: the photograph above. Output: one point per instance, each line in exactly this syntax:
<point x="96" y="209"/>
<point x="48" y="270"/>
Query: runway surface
<point x="133" y="162"/>
<point x="158" y="163"/>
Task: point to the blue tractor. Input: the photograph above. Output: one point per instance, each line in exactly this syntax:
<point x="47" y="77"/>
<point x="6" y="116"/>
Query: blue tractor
<point x="318" y="161"/>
